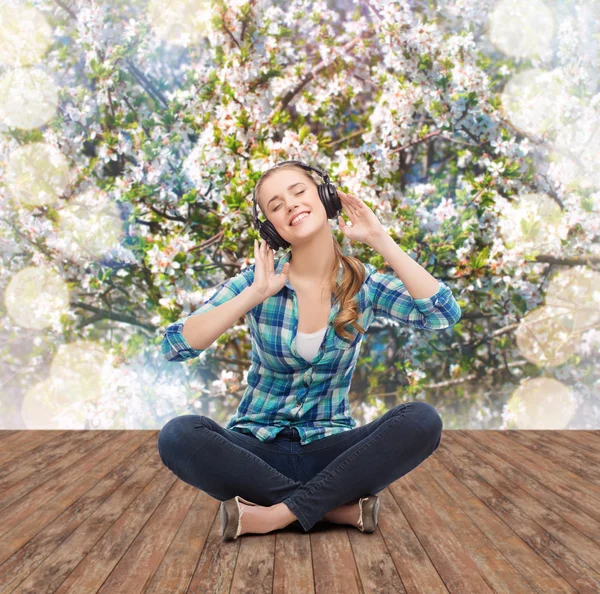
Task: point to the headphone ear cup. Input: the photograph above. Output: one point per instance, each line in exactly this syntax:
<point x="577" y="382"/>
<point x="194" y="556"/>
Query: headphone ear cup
<point x="270" y="235"/>
<point x="330" y="199"/>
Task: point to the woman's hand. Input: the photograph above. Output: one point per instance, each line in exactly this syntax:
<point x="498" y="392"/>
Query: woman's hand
<point x="365" y="224"/>
<point x="266" y="282"/>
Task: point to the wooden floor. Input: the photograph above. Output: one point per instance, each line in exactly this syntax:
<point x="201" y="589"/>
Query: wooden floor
<point x="512" y="512"/>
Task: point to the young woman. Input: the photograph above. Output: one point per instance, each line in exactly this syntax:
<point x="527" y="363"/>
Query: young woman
<point x="292" y="451"/>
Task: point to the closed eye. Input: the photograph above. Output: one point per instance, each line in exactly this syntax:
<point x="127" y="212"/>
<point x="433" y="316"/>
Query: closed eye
<point x="298" y="194"/>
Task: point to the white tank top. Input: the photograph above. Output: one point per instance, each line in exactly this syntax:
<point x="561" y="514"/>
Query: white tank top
<point x="308" y="345"/>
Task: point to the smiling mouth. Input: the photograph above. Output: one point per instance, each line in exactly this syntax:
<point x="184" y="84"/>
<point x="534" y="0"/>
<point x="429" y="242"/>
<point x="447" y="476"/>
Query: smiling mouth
<point x="297" y="222"/>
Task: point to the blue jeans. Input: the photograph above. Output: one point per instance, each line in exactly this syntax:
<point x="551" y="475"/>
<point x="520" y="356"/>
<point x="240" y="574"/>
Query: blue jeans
<point x="311" y="479"/>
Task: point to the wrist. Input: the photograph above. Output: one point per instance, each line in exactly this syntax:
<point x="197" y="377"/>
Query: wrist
<point x="377" y="241"/>
<point x="255" y="295"/>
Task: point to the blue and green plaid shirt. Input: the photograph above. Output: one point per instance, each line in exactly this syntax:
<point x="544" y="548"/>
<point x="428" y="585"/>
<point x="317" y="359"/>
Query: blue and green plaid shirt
<point x="284" y="389"/>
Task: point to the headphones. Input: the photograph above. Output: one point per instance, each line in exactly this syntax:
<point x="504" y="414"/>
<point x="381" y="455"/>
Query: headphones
<point x="329" y="198"/>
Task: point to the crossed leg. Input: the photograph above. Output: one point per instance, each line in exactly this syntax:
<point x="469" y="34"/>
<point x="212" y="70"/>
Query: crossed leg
<point x="194" y="446"/>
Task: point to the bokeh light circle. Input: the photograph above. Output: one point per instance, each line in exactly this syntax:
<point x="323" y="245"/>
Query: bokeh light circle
<point x="92" y="222"/>
<point x="531" y="100"/>
<point x="546" y="336"/>
<point x="522" y="29"/>
<point x="577" y="290"/>
<point x="180" y="22"/>
<point x="28" y="98"/>
<point x="541" y="403"/>
<point x="36" y="297"/>
<point x="37" y="174"/>
<point x="25" y="35"/>
<point x="531" y="223"/>
<point x="577" y="148"/>
<point x="79" y="368"/>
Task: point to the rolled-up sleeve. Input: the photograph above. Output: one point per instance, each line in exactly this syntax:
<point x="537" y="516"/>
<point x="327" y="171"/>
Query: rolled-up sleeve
<point x="174" y="346"/>
<point x="389" y="298"/>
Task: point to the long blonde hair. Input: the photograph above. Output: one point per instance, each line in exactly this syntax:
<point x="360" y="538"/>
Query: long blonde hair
<point x="353" y="274"/>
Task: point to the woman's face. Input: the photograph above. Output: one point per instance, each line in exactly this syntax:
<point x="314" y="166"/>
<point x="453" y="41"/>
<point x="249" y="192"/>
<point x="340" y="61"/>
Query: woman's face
<point x="286" y="194"/>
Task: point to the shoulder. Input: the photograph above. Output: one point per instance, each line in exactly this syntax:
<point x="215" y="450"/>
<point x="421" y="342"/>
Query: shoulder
<point x="246" y="273"/>
<point x="369" y="268"/>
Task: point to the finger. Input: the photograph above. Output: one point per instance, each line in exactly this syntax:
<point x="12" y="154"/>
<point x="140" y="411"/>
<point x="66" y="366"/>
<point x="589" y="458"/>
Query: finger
<point x="343" y="225"/>
<point x="358" y="203"/>
<point x="348" y="206"/>
<point x="352" y="201"/>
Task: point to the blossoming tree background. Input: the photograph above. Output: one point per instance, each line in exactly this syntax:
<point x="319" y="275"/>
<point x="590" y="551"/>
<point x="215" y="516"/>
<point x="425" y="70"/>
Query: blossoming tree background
<point x="132" y="134"/>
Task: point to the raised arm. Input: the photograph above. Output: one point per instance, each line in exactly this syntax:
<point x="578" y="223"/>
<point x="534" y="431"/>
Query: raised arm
<point x="189" y="336"/>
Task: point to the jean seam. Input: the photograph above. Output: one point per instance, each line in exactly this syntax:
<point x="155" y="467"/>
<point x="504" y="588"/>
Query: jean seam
<point x="212" y="433"/>
<point x="348" y="460"/>
<point x="297" y="512"/>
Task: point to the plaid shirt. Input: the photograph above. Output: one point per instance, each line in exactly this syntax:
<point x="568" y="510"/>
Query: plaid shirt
<point x="284" y="389"/>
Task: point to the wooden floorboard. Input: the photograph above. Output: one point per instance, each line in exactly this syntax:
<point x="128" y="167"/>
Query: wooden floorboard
<point x="490" y="512"/>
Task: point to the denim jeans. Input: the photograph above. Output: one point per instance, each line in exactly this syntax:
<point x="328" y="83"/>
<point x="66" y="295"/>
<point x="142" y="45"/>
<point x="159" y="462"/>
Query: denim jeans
<point x="311" y="479"/>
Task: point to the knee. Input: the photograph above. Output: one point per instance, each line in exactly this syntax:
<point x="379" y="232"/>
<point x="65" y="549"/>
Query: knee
<point x="171" y="435"/>
<point x="431" y="421"/>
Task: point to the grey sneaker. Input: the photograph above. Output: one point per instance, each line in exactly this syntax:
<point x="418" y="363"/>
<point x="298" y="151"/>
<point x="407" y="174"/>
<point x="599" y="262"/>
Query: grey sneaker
<point x="369" y="508"/>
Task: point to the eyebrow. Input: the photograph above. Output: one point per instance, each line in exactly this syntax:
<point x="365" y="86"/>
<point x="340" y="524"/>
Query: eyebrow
<point x="289" y="188"/>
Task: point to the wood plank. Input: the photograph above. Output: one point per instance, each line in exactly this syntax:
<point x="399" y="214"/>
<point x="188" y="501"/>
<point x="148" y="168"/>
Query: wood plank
<point x="521" y="540"/>
<point x="494" y="567"/>
<point x="131" y="508"/>
<point x="21" y="475"/>
<point x="114" y="527"/>
<point x="32" y="513"/>
<point x="582" y="447"/>
<point x="585" y="464"/>
<point x="490" y="512"/>
<point x="293" y="570"/>
<point x="25" y="441"/>
<point x="578" y="557"/>
<point x="563" y="482"/>
<point x="254" y="564"/>
<point x="415" y="568"/>
<point x="216" y="566"/>
<point x="144" y="555"/>
<point x="333" y="562"/>
<point x="46" y="560"/>
<point x="522" y="488"/>
<point x="4" y="433"/>
<point x="176" y="570"/>
<point x="375" y="564"/>
<point x="588" y="439"/>
<point x="453" y="562"/>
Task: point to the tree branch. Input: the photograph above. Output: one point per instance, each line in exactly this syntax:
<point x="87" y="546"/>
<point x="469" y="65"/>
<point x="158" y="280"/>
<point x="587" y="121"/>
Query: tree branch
<point x="318" y="69"/>
<point x="108" y="315"/>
